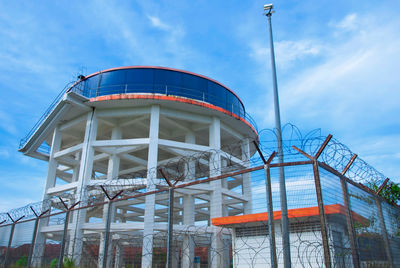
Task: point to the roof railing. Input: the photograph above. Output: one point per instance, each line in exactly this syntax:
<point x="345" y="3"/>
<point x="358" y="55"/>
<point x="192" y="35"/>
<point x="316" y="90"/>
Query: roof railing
<point x="24" y="140"/>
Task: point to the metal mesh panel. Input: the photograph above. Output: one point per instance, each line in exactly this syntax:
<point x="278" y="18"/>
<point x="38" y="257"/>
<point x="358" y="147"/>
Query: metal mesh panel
<point x="392" y="222"/>
<point x="368" y="229"/>
<point x="241" y="238"/>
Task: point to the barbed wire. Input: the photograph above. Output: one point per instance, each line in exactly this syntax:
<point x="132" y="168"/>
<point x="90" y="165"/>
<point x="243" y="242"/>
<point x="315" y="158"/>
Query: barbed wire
<point x="196" y="165"/>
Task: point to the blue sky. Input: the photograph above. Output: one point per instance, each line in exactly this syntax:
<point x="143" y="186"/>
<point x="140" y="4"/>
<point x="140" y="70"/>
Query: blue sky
<point x="337" y="66"/>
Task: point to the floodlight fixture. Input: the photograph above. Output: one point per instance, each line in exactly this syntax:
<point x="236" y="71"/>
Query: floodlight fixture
<point x="268" y="7"/>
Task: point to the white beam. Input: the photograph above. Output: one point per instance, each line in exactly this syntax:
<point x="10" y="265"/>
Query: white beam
<point x="68" y="151"/>
<point x="107" y="122"/>
<point x="234" y="195"/>
<point x="176" y="124"/>
<point x="71" y="98"/>
<point x="186" y="116"/>
<point x="134" y="159"/>
<point x="123" y="112"/>
<point x="73" y="122"/>
<point x="62" y="188"/>
<point x="231" y="131"/>
<point x="119" y="143"/>
<point x="133" y="121"/>
<point x="183" y="145"/>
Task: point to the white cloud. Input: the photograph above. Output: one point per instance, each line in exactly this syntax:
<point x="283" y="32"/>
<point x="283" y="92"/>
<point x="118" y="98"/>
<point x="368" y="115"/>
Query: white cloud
<point x="130" y="32"/>
<point x="354" y="85"/>
<point x="350" y="22"/>
<point x="286" y="51"/>
<point x="157" y="23"/>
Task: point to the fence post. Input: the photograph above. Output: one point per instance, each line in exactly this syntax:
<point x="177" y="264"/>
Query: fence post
<point x="170" y="216"/>
<point x="270" y="209"/>
<point x="170" y="226"/>
<point x="35" y="228"/>
<point x="61" y="255"/>
<point x="108" y="225"/>
<point x="350" y="224"/>
<point x="107" y="234"/>
<point x="384" y="231"/>
<point x="9" y="245"/>
<point x="318" y="189"/>
<point x="349" y="218"/>
<point x="14" y="222"/>
<point x="64" y="236"/>
<point x="322" y="216"/>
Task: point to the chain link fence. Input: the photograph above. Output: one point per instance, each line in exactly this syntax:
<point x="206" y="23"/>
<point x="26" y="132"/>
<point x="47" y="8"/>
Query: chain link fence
<point x="334" y="219"/>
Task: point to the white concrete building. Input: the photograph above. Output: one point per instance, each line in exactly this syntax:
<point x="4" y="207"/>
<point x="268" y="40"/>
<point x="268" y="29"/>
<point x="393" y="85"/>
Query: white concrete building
<point x="251" y="246"/>
<point x="110" y="126"/>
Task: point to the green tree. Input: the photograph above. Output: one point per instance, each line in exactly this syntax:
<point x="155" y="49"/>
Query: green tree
<point x="69" y="263"/>
<point x="22" y="262"/>
<point x="391" y="191"/>
<point x="54" y="263"/>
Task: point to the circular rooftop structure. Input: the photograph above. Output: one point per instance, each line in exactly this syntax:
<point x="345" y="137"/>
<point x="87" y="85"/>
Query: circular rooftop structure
<point x="140" y="86"/>
<point x="160" y="81"/>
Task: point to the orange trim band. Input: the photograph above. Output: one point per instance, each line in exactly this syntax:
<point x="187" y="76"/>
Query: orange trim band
<point x="170" y="98"/>
<point x="292" y="213"/>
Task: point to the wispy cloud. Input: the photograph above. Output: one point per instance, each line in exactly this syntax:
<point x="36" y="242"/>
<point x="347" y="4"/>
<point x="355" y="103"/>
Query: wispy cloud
<point x="350" y="22"/>
<point x="286" y="51"/>
<point x="157" y="23"/>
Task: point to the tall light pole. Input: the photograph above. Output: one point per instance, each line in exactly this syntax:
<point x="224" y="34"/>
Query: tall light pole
<point x="268" y="10"/>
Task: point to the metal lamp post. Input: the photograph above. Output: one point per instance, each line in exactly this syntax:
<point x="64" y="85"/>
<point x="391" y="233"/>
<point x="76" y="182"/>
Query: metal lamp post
<point x="268" y="9"/>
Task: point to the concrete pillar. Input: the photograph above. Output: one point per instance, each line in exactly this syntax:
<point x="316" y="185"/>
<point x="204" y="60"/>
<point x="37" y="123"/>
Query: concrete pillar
<point x="216" y="209"/>
<point x="38" y="253"/>
<point x="112" y="174"/>
<point x="147" y="250"/>
<point x="75" y="173"/>
<point x="118" y="255"/>
<point x="188" y="212"/>
<point x="75" y="177"/>
<point x="187" y="251"/>
<point x="85" y="174"/>
<point x="246" y="184"/>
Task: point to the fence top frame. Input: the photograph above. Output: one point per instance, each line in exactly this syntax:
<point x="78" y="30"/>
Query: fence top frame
<point x="177" y="185"/>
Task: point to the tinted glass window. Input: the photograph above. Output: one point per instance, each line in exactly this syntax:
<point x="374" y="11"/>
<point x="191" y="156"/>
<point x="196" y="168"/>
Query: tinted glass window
<point x="113" y="78"/>
<point x="112" y="82"/>
<point x="91" y="85"/>
<point x="140" y="80"/>
<point x="160" y="78"/>
<point x="217" y="94"/>
<point x="161" y="81"/>
<point x="194" y="86"/>
<point x="173" y="81"/>
<point x="230" y="102"/>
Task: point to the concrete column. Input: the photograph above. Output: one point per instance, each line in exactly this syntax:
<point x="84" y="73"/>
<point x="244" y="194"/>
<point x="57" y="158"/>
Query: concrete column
<point x="50" y="182"/>
<point x="75" y="177"/>
<point x="234" y="257"/>
<point x="53" y="164"/>
<point x="118" y="255"/>
<point x="216" y="201"/>
<point x="114" y="160"/>
<point x="75" y="174"/>
<point x="112" y="174"/>
<point x="188" y="212"/>
<point x="85" y="174"/>
<point x="147" y="250"/>
<point x="246" y="184"/>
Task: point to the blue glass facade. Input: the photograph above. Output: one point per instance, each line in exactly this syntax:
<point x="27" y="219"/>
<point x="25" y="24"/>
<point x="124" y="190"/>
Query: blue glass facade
<point x="161" y="81"/>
